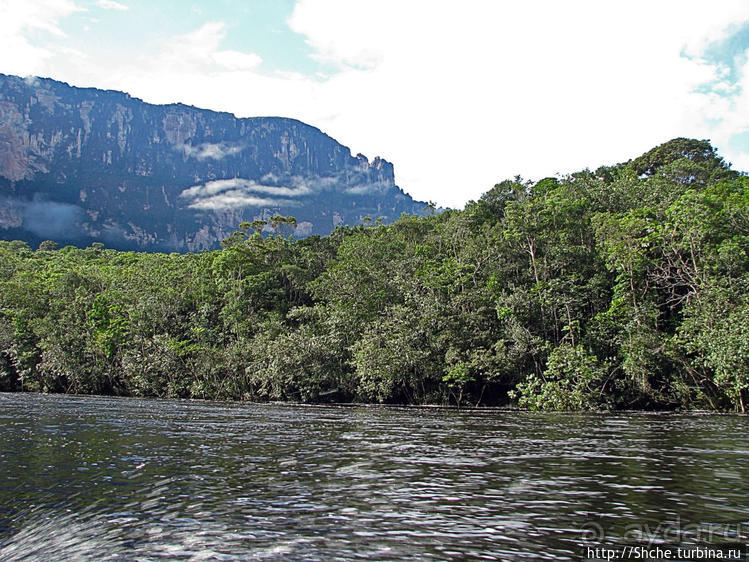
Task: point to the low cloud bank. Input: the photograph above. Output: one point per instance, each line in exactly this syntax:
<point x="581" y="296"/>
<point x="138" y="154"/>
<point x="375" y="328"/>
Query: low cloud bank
<point x="49" y="219"/>
<point x="229" y="193"/>
<point x="214" y="151"/>
<point x="232" y="193"/>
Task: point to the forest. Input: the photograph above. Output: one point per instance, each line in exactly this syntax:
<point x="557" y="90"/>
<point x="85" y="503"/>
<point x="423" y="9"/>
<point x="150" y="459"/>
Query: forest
<point x="626" y="287"/>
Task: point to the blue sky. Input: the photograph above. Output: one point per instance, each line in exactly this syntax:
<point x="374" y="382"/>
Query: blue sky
<point x="258" y="26"/>
<point x="458" y="95"/>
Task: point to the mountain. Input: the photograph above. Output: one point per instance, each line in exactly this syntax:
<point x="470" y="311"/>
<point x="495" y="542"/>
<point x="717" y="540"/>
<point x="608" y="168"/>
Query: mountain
<point x="79" y="165"/>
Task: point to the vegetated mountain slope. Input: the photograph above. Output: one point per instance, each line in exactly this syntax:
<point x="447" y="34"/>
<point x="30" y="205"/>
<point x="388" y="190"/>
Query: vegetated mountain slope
<point x="82" y="165"/>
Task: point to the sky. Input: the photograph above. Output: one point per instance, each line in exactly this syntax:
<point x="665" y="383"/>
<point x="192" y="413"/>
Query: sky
<point x="458" y="95"/>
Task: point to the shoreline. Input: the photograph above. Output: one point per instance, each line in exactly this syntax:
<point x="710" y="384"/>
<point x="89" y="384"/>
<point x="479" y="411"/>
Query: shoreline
<point x="371" y="405"/>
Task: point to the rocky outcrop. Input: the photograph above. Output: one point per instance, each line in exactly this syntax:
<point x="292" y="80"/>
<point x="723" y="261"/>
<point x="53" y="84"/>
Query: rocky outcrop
<point x="81" y="165"/>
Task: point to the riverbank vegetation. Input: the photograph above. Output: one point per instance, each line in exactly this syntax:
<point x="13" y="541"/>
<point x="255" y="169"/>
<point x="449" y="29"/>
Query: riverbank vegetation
<point x="623" y="287"/>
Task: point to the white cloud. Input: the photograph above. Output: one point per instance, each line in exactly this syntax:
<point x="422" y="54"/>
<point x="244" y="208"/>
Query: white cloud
<point x="200" y="50"/>
<point x="367" y="188"/>
<point x="234" y="60"/>
<point x="18" y="18"/>
<point x="456" y="95"/>
<point x="112" y="5"/>
<point x="238" y="192"/>
<point x="215" y="151"/>
<point x="467" y="95"/>
<point x="233" y="200"/>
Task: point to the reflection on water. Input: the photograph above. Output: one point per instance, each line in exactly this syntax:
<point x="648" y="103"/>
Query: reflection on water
<point x="111" y="478"/>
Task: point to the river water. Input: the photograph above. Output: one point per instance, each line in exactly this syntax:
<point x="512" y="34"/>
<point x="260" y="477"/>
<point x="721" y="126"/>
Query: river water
<point x="94" y="478"/>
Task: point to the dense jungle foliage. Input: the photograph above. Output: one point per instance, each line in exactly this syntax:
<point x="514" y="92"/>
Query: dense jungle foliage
<point x="626" y="287"/>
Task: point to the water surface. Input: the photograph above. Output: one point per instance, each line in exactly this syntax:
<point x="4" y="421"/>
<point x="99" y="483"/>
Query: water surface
<point x="123" y="479"/>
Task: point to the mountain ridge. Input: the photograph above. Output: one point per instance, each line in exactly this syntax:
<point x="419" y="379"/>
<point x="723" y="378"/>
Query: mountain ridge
<point x="79" y="165"/>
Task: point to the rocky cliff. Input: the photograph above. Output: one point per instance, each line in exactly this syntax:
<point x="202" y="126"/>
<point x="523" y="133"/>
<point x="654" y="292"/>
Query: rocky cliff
<point x="83" y="165"/>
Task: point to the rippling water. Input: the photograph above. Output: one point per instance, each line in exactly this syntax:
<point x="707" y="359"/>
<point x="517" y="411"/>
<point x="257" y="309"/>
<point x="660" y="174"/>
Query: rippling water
<point x="111" y="478"/>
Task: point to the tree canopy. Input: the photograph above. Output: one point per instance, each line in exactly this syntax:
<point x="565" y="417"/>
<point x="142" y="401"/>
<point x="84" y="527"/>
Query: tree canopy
<point x="625" y="287"/>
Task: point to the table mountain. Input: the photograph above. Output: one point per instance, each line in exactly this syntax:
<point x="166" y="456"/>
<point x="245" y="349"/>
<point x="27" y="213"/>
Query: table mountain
<point x="79" y="165"/>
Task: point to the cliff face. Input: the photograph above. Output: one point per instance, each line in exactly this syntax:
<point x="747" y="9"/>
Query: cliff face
<point x="83" y="165"/>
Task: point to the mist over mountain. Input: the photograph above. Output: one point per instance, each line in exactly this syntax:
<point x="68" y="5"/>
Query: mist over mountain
<point x="79" y="165"/>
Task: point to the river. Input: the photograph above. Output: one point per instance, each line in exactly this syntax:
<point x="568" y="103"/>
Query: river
<point x="97" y="478"/>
